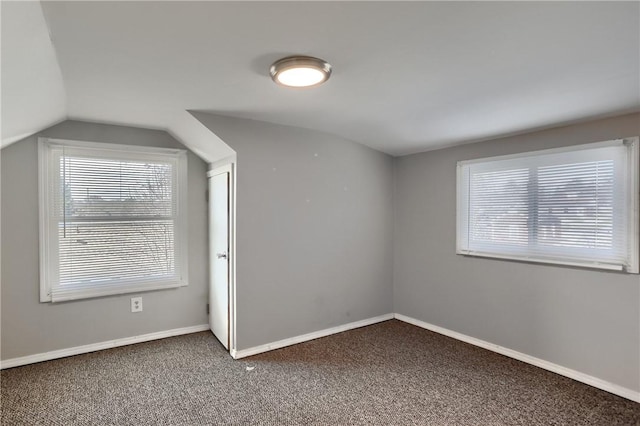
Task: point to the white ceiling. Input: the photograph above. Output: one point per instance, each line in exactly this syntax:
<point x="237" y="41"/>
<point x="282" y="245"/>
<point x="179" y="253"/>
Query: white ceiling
<point x="408" y="76"/>
<point x="33" y="95"/>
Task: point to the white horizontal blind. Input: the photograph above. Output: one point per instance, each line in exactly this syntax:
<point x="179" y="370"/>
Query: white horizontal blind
<point x="575" y="206"/>
<point x="499" y="210"/>
<point x="114" y="220"/>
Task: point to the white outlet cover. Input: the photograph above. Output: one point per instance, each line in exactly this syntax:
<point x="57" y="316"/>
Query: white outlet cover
<point x="136" y="304"/>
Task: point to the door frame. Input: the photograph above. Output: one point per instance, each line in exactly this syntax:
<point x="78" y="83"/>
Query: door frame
<point x="231" y="169"/>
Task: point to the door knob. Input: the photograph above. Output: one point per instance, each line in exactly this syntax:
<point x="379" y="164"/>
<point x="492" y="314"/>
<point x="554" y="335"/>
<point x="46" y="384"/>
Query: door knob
<point x="222" y="255"/>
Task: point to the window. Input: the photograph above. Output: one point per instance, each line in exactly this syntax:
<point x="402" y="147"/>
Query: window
<point x="112" y="219"/>
<point x="573" y="206"/>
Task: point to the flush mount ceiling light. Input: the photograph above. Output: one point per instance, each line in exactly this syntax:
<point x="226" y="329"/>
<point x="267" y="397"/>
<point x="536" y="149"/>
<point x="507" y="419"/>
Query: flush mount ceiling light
<point x="300" y="71"/>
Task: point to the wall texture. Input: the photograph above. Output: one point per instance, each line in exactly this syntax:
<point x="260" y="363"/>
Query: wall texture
<point x="30" y="327"/>
<point x="314" y="230"/>
<point x="581" y="319"/>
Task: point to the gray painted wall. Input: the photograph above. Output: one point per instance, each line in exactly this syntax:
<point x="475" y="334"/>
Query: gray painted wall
<point x="30" y="327"/>
<point x="581" y="319"/>
<point x="314" y="230"/>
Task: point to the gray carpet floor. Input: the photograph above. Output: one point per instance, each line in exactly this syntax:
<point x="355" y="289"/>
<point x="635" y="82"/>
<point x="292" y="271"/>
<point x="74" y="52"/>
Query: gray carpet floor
<point x="390" y="373"/>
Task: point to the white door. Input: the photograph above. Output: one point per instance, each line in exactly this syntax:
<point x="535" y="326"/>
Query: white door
<point x="219" y="256"/>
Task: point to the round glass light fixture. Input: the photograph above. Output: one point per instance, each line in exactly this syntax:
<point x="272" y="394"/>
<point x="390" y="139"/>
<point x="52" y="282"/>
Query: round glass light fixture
<point x="300" y="71"/>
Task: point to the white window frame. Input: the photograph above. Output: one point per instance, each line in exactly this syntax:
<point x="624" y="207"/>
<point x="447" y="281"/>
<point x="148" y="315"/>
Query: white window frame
<point x="632" y="214"/>
<point x="49" y="250"/>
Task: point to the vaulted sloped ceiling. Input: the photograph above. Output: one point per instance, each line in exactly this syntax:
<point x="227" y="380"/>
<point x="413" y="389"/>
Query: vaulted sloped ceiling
<point x="408" y="76"/>
<point x="33" y="94"/>
<point x="33" y="91"/>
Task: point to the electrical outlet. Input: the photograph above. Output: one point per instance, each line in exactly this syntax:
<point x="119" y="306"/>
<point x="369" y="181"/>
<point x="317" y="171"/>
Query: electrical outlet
<point x="136" y="304"/>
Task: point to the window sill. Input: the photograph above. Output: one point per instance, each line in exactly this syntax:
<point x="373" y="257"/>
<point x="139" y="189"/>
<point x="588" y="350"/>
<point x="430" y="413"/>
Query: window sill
<point x="101" y="292"/>
<point x="557" y="262"/>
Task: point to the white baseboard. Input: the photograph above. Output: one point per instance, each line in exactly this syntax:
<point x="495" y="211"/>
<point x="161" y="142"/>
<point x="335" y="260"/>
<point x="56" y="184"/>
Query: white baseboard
<point x="309" y="336"/>
<point x="46" y="356"/>
<point x="555" y="368"/>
